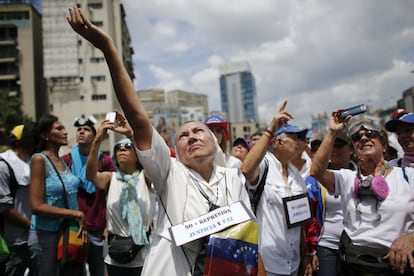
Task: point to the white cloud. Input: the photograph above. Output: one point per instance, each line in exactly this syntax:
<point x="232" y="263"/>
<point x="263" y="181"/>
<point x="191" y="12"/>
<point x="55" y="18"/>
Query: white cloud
<point x="178" y="47"/>
<point x="320" y="55"/>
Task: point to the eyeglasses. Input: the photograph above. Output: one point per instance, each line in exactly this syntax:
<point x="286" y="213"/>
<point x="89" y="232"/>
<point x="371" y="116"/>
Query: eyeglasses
<point x="128" y="146"/>
<point x="364" y="124"/>
<point x="368" y="133"/>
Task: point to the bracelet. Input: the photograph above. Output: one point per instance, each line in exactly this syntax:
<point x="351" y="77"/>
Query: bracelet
<point x="268" y="133"/>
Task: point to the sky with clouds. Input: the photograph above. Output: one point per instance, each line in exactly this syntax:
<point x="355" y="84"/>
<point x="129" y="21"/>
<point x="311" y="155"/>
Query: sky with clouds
<point x="319" y="55"/>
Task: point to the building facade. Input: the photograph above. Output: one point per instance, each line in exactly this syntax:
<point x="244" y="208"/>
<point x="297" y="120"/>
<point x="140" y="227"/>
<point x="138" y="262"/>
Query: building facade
<point x="238" y="92"/>
<point x="21" y="59"/>
<point x="195" y="101"/>
<point x="78" y="80"/>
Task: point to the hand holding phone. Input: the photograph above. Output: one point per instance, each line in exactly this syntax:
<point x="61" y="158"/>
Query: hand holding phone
<point x="355" y="110"/>
<point x="111" y="116"/>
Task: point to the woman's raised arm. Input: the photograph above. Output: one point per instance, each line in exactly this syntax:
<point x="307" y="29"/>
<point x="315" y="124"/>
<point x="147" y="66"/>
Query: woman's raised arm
<point x="123" y="85"/>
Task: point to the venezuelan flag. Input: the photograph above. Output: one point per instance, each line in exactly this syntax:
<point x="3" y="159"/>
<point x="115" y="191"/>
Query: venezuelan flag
<point x="233" y="251"/>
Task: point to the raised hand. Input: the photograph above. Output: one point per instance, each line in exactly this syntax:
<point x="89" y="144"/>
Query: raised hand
<point x="280" y="118"/>
<point x="123" y="126"/>
<point x="80" y="24"/>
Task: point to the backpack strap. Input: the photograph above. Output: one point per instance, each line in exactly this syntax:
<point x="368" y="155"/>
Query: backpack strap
<point x="13" y="182"/>
<point x="257" y="194"/>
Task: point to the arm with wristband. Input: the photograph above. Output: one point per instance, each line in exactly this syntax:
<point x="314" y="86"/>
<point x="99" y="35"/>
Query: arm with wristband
<point x="250" y="167"/>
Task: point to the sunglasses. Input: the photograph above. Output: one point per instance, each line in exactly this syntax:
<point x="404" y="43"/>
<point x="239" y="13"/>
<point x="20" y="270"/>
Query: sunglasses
<point x="368" y="133"/>
<point x="84" y="121"/>
<point x="128" y="146"/>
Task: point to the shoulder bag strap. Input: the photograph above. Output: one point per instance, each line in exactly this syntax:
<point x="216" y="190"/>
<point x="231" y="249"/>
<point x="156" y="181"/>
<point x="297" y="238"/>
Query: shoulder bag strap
<point x="169" y="219"/>
<point x="13" y="182"/>
<point x="65" y="199"/>
<point x="260" y="187"/>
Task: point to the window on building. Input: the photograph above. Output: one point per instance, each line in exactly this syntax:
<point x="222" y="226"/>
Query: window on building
<point x="98" y="97"/>
<point x="98" y="78"/>
<point x="97" y="59"/>
<point x="95" y="5"/>
<point x="98" y="23"/>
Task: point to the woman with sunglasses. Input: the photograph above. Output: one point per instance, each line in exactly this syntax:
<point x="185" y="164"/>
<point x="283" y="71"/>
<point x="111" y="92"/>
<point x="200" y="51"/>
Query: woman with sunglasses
<point x="377" y="202"/>
<point x="128" y="202"/>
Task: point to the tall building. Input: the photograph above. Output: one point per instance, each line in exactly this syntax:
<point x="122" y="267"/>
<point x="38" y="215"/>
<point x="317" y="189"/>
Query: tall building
<point x="21" y="61"/>
<point x="78" y="80"/>
<point x="238" y="92"/>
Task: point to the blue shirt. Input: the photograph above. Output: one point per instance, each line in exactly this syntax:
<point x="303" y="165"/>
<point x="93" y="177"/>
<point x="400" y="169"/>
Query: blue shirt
<point x="54" y="196"/>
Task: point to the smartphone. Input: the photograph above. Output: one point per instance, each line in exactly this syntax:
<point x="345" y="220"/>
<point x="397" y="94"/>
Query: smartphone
<point x="111" y="116"/>
<point x="355" y="110"/>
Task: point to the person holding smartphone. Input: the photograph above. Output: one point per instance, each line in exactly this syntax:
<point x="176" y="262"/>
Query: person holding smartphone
<point x="91" y="200"/>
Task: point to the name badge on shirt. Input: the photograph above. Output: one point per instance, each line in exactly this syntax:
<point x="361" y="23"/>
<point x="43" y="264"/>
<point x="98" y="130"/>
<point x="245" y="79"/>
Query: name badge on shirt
<point x="297" y="210"/>
<point x="210" y="223"/>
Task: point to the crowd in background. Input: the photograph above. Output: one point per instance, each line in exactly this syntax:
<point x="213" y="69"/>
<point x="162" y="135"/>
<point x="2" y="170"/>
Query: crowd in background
<point x="356" y="190"/>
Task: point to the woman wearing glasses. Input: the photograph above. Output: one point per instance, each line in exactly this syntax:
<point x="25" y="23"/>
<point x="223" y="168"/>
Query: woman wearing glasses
<point x="128" y="201"/>
<point x="377" y="201"/>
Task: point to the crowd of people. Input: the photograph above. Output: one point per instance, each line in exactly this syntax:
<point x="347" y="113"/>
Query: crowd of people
<point x="334" y="203"/>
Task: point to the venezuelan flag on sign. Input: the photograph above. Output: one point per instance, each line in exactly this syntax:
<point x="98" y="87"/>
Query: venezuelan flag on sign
<point x="233" y="251"/>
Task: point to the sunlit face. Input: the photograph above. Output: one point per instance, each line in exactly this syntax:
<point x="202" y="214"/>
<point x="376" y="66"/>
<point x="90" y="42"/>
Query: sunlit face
<point x="58" y="134"/>
<point x="195" y="143"/>
<point x="125" y="154"/>
<point x="288" y="142"/>
<point x="367" y="142"/>
<point x="84" y="135"/>
<point x="239" y="151"/>
<point x="405" y="133"/>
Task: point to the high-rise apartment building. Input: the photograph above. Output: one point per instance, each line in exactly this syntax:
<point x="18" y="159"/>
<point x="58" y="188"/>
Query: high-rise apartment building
<point x="21" y="61"/>
<point x="78" y="80"/>
<point x="238" y="92"/>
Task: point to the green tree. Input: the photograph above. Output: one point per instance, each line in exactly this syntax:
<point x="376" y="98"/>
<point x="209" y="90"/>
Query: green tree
<point x="11" y="112"/>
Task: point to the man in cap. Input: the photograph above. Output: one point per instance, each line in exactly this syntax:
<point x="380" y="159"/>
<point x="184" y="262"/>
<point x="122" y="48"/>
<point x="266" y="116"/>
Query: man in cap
<point x="314" y="142"/>
<point x="279" y="240"/>
<point x="14" y="197"/>
<point x="91" y="200"/>
<point x="403" y="127"/>
<point x="240" y="148"/>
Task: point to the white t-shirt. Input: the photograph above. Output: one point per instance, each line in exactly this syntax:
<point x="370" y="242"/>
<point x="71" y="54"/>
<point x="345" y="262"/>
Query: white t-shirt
<point x="396" y="211"/>
<point x="332" y="223"/>
<point x="278" y="245"/>
<point x="179" y="190"/>
<point x="119" y="226"/>
<point x="15" y="234"/>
